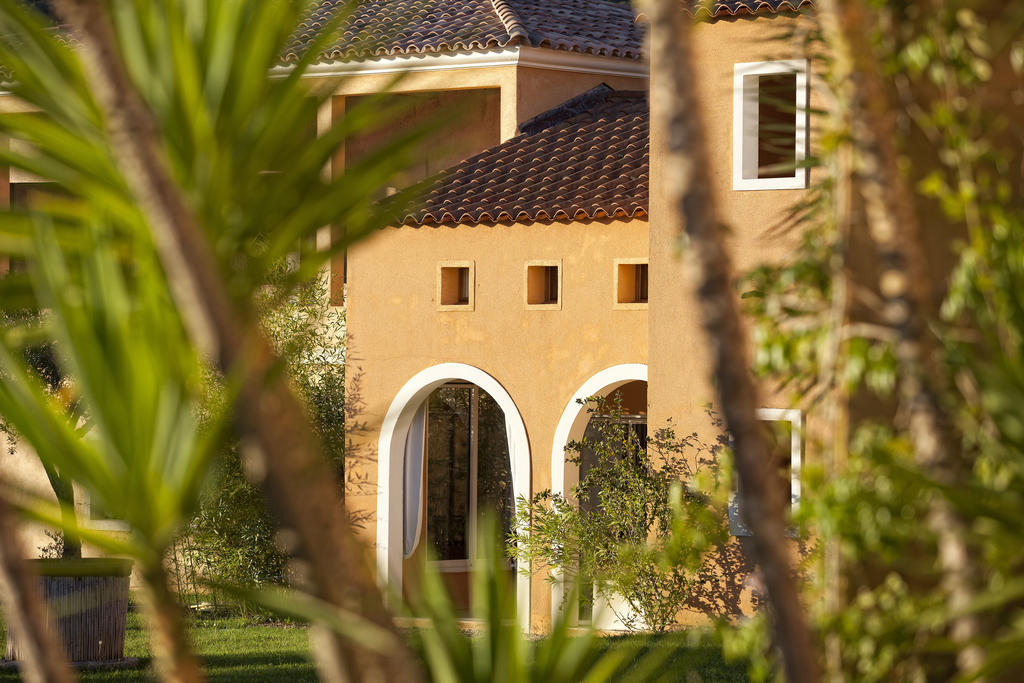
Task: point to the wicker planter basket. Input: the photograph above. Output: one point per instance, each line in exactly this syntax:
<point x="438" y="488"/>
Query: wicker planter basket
<point x="88" y="598"/>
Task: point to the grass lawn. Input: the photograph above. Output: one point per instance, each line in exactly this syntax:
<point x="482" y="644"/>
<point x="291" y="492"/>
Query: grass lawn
<point x="686" y="663"/>
<point x="235" y="649"/>
<point x="232" y="649"/>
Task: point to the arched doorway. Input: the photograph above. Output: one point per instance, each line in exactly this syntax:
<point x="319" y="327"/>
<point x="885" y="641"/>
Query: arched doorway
<point x="457" y="393"/>
<point x="627" y="385"/>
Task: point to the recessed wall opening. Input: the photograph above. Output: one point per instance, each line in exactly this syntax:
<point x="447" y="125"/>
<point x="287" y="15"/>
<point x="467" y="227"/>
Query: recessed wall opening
<point x="631" y="282"/>
<point x="401" y="470"/>
<point x="455" y="285"/>
<point x="544" y="284"/>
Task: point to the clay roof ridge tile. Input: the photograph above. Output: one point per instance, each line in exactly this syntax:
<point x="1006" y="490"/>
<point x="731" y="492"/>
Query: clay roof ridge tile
<point x="514" y="26"/>
<point x="737" y="7"/>
<point x="567" y="110"/>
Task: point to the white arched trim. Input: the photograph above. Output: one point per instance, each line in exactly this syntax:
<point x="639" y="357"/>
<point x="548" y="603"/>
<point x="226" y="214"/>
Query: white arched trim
<point x="573" y="423"/>
<point x="574" y="418"/>
<point x="391" y="455"/>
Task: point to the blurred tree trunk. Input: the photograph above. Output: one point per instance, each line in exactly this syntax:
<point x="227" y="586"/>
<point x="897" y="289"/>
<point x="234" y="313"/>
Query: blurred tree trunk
<point x="64" y="490"/>
<point x="676" y="117"/>
<point x="42" y="655"/>
<point x="175" y="660"/>
<point x="278" y="447"/>
<point x="903" y="282"/>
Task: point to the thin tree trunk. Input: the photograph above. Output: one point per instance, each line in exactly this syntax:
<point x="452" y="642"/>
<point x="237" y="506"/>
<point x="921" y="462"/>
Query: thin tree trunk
<point x="675" y="115"/>
<point x="175" y="661"/>
<point x="278" y="446"/>
<point x="42" y="656"/>
<point x="64" y="490"/>
<point x="903" y="280"/>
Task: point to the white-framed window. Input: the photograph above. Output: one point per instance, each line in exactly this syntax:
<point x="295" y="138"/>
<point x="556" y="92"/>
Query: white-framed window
<point x="770" y="125"/>
<point x="97" y="518"/>
<point x="456" y="286"/>
<point x="543" y="285"/>
<point x="784" y="431"/>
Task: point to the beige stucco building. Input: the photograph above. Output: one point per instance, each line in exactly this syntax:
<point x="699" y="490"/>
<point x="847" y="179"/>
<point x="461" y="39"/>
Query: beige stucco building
<point x="540" y="269"/>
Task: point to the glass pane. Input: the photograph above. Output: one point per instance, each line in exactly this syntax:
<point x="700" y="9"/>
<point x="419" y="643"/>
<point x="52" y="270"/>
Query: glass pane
<point x="776" y="127"/>
<point x="448" y="463"/>
<point x="494" y="468"/>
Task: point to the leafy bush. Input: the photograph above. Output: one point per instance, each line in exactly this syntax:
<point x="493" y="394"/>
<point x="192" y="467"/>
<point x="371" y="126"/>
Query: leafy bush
<point x="624" y="535"/>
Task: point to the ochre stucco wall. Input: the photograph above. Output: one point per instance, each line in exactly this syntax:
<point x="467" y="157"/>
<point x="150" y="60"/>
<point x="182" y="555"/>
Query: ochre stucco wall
<point x="498" y="99"/>
<point x="679" y="365"/>
<point x="467" y="121"/>
<point x="539" y="90"/>
<point x="680" y="389"/>
<point x="541" y="357"/>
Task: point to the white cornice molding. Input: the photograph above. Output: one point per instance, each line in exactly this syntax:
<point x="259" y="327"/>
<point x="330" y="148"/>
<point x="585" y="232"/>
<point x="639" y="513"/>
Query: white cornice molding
<point x="537" y="58"/>
<point x="394" y="64"/>
<point x="562" y="60"/>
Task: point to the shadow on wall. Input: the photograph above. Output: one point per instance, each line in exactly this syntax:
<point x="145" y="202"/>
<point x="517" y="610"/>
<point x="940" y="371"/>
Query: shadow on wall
<point x="724" y="587"/>
<point x="728" y="584"/>
<point x="360" y="456"/>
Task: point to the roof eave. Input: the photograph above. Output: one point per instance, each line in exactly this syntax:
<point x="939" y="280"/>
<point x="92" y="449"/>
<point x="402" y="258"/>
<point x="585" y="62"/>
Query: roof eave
<point x="524" y="56"/>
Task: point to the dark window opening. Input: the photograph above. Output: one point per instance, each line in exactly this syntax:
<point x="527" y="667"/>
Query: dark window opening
<point x="468" y="469"/>
<point x="463" y="293"/>
<point x="641" y="283"/>
<point x="776" y="126"/>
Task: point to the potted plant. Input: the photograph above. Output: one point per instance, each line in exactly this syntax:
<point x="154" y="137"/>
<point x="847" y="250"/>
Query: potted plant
<point x="88" y="599"/>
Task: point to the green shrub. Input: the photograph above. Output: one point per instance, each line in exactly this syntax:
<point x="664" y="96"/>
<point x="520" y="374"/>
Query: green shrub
<point x="624" y="537"/>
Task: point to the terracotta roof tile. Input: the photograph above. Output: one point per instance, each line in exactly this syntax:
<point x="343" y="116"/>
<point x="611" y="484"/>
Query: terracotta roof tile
<point x="401" y="27"/>
<point x="585" y="159"/>
<point x="720" y="8"/>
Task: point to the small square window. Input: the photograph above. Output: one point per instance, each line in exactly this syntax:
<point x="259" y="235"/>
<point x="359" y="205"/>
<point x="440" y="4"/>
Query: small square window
<point x="455" y="286"/>
<point x="770" y="125"/>
<point x="630" y="284"/>
<point x="544" y="285"/>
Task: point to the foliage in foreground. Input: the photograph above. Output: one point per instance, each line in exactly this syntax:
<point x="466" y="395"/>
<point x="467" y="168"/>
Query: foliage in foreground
<point x="222" y="144"/>
<point x="239" y="649"/>
<point x="884" y="610"/>
<point x="500" y="651"/>
<point x="232" y="537"/>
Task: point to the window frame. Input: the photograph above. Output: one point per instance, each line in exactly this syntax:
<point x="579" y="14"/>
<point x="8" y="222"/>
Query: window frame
<point x="90" y="522"/>
<point x="542" y="263"/>
<point x="616" y="273"/>
<point x="470" y="305"/>
<point x="745" y="125"/>
<point x="737" y="527"/>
